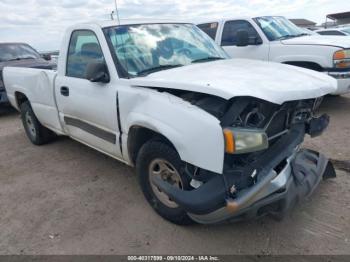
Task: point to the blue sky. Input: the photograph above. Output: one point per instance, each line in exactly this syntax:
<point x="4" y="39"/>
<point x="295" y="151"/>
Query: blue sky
<point x="41" y="23"/>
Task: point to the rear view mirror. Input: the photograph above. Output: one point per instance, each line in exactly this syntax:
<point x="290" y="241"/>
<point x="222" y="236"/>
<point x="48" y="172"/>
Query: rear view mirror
<point x="97" y="72"/>
<point x="242" y="38"/>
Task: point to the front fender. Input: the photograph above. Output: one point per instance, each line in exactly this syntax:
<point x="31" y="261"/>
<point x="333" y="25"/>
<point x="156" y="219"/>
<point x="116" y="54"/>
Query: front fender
<point x="196" y="135"/>
<point x="322" y="61"/>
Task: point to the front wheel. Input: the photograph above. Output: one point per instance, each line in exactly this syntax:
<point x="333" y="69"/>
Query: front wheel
<point x="156" y="158"/>
<point x="36" y="132"/>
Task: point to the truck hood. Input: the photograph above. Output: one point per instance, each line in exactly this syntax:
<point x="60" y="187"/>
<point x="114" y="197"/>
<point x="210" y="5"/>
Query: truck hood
<point x="343" y="42"/>
<point x="230" y="78"/>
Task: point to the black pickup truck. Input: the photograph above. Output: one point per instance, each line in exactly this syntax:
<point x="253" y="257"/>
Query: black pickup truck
<point x="20" y="55"/>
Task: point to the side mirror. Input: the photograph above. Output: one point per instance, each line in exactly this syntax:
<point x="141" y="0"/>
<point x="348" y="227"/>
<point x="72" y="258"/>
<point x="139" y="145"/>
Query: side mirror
<point x="258" y="41"/>
<point x="242" y="38"/>
<point x="97" y="72"/>
<point x="47" y="57"/>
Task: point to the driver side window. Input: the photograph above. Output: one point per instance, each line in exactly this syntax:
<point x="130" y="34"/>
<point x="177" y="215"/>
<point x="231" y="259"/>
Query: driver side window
<point x="84" y="48"/>
<point x="229" y="35"/>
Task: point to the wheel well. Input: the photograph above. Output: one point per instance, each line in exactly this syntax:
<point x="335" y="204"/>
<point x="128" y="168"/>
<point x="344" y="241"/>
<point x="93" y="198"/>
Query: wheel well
<point x="307" y="65"/>
<point x="138" y="136"/>
<point x="20" y="98"/>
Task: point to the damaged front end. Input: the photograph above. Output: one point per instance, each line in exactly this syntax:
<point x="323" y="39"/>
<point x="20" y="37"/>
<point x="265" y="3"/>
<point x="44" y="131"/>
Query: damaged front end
<point x="265" y="171"/>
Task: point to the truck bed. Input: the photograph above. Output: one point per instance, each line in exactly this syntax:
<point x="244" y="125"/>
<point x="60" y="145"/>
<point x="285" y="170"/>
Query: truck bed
<point x="38" y="86"/>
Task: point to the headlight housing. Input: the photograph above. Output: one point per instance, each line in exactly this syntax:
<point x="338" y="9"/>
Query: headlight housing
<point x="241" y="141"/>
<point x="341" y="59"/>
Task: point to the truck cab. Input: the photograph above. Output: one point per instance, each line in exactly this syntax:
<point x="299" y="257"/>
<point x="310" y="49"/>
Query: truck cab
<point x="276" y="39"/>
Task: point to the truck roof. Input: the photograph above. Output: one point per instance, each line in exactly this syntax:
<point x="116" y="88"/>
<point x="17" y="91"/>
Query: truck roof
<point x="135" y="21"/>
<point x="13" y="43"/>
<point x="221" y="19"/>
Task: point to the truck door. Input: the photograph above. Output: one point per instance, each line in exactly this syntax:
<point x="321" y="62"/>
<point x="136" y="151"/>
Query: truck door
<point x="255" y="49"/>
<point x="87" y="109"/>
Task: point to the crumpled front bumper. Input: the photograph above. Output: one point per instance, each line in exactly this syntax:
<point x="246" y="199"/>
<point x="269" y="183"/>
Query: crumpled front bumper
<point x="299" y="178"/>
<point x="274" y="192"/>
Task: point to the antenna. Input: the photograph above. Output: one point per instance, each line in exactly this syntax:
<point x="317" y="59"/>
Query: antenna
<point x="117" y="10"/>
<point x="122" y="40"/>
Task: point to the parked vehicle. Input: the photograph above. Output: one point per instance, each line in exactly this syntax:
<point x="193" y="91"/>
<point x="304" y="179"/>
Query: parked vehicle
<point x="19" y="55"/>
<point x="212" y="138"/>
<point x="334" y="31"/>
<point x="276" y="39"/>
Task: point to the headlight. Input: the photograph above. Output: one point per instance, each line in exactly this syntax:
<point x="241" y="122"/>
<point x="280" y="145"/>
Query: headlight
<point x="341" y="59"/>
<point x="240" y="141"/>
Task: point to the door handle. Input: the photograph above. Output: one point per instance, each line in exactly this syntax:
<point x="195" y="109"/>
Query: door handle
<point x="64" y="91"/>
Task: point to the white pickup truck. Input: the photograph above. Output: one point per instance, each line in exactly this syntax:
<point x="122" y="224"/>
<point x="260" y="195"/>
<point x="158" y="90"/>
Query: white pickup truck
<point x="276" y="39"/>
<point x="212" y="138"/>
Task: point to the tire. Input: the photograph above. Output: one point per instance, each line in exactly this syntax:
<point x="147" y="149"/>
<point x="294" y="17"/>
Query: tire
<point x="151" y="154"/>
<point x="36" y="132"/>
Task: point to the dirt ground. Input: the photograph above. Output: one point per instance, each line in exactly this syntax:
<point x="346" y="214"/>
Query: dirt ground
<point x="65" y="198"/>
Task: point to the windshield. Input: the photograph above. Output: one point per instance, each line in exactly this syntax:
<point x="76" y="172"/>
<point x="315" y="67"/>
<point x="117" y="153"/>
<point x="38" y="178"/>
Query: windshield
<point x="148" y="48"/>
<point x="278" y="28"/>
<point x="10" y="52"/>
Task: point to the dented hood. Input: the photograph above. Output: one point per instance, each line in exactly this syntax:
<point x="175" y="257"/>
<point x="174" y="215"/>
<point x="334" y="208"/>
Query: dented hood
<point x="336" y="41"/>
<point x="230" y="78"/>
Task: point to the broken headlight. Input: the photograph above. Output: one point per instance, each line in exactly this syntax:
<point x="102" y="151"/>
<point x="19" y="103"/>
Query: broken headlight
<point x="241" y="141"/>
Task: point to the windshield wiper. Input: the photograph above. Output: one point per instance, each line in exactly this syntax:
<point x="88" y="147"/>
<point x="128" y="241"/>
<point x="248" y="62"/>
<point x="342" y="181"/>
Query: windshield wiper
<point x="291" y="36"/>
<point x="207" y="59"/>
<point x="13" y="59"/>
<point x="285" y="37"/>
<point x="302" y="34"/>
<point x="156" y="69"/>
<point x="20" y="58"/>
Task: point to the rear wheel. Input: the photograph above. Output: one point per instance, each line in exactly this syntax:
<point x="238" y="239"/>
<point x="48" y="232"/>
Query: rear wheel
<point x="36" y="132"/>
<point x="156" y="158"/>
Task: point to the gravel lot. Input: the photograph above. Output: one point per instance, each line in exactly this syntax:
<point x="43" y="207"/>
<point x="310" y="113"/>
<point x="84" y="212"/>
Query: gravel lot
<point x="65" y="198"/>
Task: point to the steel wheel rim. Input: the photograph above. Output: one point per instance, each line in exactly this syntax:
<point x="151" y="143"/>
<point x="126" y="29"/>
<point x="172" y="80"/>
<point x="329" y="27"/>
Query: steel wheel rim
<point x="167" y="172"/>
<point x="30" y="125"/>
